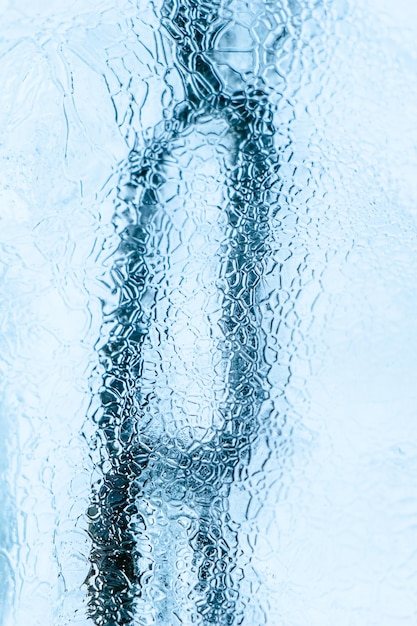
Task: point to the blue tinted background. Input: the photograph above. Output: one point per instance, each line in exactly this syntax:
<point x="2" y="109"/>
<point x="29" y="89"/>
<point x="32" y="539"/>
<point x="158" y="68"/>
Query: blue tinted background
<point x="330" y="518"/>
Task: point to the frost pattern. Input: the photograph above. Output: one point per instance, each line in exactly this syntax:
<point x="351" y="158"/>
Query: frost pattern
<point x="185" y="384"/>
<point x="313" y="521"/>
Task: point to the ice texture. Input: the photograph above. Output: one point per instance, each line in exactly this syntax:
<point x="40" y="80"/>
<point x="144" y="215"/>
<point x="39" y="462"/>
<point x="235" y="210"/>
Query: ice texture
<point x="208" y="292"/>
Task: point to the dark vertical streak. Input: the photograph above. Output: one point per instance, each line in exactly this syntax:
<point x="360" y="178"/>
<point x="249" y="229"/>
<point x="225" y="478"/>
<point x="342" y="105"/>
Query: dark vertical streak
<point x="139" y="462"/>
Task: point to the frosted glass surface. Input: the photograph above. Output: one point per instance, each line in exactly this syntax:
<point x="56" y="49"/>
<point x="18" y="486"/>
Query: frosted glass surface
<point x="208" y="233"/>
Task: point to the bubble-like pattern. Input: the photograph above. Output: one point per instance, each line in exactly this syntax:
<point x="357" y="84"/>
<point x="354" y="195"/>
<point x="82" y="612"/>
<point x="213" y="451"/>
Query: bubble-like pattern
<point x="207" y="377"/>
<point x="185" y="381"/>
